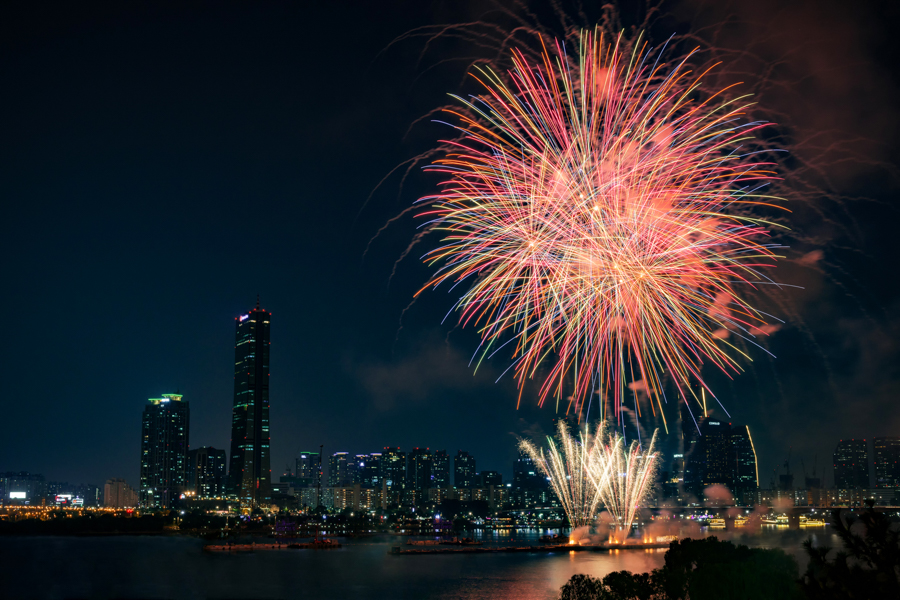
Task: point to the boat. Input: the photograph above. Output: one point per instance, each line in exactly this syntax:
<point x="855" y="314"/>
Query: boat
<point x="717" y="522"/>
<point x="412" y="542"/>
<point x="455" y="541"/>
<point x="321" y="544"/>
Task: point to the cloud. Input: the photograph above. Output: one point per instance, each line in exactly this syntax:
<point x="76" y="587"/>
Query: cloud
<point x="432" y="368"/>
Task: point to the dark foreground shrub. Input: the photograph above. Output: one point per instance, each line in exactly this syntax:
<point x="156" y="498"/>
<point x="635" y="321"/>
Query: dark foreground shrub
<point x="868" y="567"/>
<point x="705" y="569"/>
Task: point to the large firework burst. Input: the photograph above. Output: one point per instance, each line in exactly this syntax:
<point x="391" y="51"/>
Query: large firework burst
<point x="600" y="211"/>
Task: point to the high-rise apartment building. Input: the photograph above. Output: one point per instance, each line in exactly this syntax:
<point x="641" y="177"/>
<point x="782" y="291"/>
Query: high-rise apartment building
<point x="887" y="462"/>
<point x="440" y="469"/>
<point x="851" y="465"/>
<point x="419" y="466"/>
<point x="206" y="472"/>
<point x="118" y="494"/>
<point x="339" y="473"/>
<point x="489" y="478"/>
<point x="526" y="474"/>
<point x="309" y="468"/>
<point x="340" y="469"/>
<point x="165" y="439"/>
<point x="250" y="474"/>
<point x="393" y="469"/>
<point x="464" y="470"/>
<point x="370" y="472"/>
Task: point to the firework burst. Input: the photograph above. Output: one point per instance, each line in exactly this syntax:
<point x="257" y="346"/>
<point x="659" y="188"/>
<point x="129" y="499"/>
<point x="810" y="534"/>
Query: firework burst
<point x="566" y="464"/>
<point x="623" y="476"/>
<point x="599" y="211"/>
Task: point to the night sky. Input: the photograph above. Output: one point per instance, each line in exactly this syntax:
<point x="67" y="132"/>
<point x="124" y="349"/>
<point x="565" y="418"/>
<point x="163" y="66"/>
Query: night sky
<point x="164" y="164"/>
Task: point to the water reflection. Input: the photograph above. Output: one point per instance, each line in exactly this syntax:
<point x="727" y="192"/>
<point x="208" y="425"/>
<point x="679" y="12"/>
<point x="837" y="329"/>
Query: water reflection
<point x="177" y="567"/>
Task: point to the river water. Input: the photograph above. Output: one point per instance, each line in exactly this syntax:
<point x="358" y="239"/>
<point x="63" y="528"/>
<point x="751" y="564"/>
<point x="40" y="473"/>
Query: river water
<point x="143" y="567"/>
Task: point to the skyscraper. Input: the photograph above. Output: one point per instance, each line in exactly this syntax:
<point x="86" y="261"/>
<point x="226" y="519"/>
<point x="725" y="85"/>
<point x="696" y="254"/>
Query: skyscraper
<point x="851" y="465"/>
<point x="489" y="478"/>
<point x="419" y="466"/>
<point x="887" y="462"/>
<point x="464" y="470"/>
<point x="371" y="475"/>
<point x="359" y="468"/>
<point x="746" y="470"/>
<point x="717" y="454"/>
<point x="250" y="475"/>
<point x="164" y="447"/>
<point x="206" y="471"/>
<point x="339" y="469"/>
<point x="526" y="474"/>
<point x="721" y="454"/>
<point x="309" y="468"/>
<point x="441" y="469"/>
<point x="393" y="469"/>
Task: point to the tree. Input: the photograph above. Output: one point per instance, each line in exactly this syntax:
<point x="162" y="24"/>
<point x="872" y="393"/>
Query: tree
<point x="706" y="569"/>
<point x="867" y="568"/>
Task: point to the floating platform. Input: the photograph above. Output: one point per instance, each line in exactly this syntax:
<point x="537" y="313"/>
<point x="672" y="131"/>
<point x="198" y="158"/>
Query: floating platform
<point x="254" y="547"/>
<point x="544" y="548"/>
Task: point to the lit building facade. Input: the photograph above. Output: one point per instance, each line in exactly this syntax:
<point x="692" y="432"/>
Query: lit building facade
<point x="720" y="454"/>
<point x="464" y="470"/>
<point x="717" y="455"/>
<point x="250" y="473"/>
<point x="370" y="473"/>
<point x="206" y="472"/>
<point x="339" y="470"/>
<point x="441" y="469"/>
<point x="745" y="480"/>
<point x="22" y="487"/>
<point x="393" y="468"/>
<point x="887" y="462"/>
<point x="489" y="478"/>
<point x="118" y="494"/>
<point x="419" y="464"/>
<point x="308" y="468"/>
<point x="851" y="465"/>
<point x="165" y="436"/>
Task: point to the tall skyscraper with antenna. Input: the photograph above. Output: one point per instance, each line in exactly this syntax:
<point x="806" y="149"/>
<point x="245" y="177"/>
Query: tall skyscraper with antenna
<point x="250" y="474"/>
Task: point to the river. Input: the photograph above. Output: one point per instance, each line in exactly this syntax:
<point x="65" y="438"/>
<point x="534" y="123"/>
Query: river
<point x="144" y="567"/>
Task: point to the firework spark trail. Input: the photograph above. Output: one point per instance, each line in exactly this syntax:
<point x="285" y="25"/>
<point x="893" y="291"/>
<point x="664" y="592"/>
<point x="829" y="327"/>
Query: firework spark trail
<point x="601" y="210"/>
<point x="565" y="463"/>
<point x="623" y="477"/>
